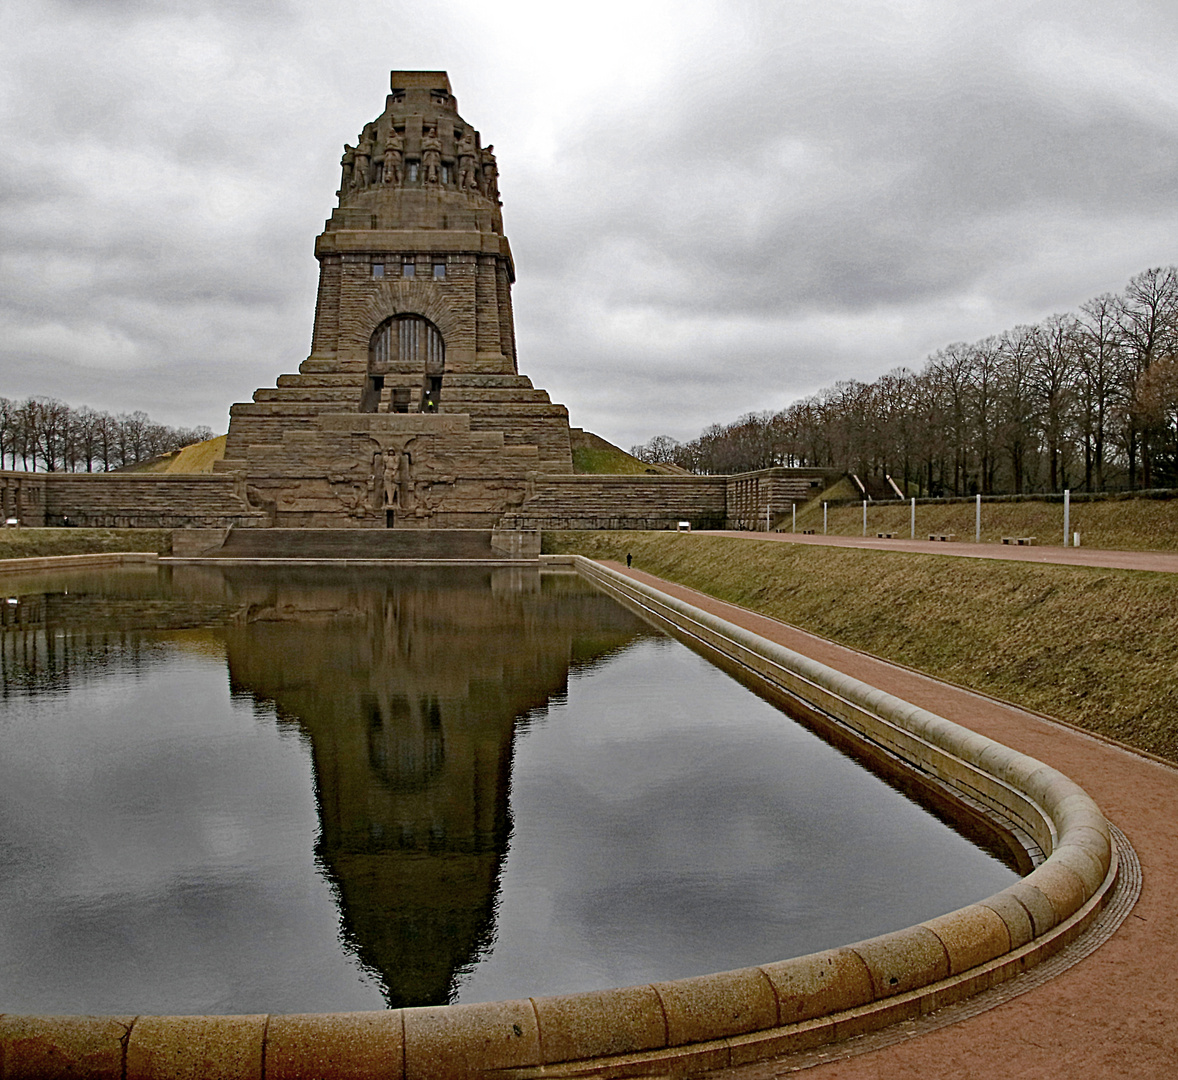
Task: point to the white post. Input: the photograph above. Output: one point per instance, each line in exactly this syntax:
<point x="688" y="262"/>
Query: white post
<point x="793" y="509"/>
<point x="913" y="523"/>
<point x="1067" y="514"/>
<point x="977" y="524"/>
<point x="824" y="519"/>
<point x="864" y="517"/>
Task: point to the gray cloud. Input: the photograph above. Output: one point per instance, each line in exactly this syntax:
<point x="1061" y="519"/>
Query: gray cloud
<point x="774" y="197"/>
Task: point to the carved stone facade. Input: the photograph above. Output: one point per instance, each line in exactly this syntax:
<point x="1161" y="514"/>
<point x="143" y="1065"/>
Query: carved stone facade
<point x="410" y="411"/>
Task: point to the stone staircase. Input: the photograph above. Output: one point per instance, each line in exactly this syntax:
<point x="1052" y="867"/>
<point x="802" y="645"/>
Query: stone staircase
<point x="359" y="544"/>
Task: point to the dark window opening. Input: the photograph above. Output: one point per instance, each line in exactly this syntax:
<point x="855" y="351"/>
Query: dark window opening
<point x="439" y="271"/>
<point x="370" y="402"/>
<point x="378" y="172"/>
<point x="431" y="393"/>
<point x="378" y="269"/>
<point x="389" y="516"/>
<point x="408" y="269"/>
<point x="400" y="399"/>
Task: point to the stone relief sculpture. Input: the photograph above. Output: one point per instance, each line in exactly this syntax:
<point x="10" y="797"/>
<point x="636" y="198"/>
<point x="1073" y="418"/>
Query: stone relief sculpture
<point x="475" y="170"/>
<point x="394" y="157"/>
<point x="431" y="156"/>
<point x="258" y="500"/>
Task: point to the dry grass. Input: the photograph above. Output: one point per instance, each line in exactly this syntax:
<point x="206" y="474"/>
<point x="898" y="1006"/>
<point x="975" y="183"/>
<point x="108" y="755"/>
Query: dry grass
<point x="28" y="543"/>
<point x="1098" y="648"/>
<point x="1126" y="524"/>
<point x="194" y="458"/>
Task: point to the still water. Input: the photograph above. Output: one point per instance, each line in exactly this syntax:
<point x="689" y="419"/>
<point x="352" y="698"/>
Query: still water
<point x="271" y="790"/>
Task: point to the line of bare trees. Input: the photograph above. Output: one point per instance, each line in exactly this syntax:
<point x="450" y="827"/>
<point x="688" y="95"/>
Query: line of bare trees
<point x="1079" y="400"/>
<point x="44" y="434"/>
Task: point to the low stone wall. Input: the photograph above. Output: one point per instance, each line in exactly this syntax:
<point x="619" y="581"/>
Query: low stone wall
<point x="589" y="501"/>
<point x="710" y="1021"/>
<point x="128" y="500"/>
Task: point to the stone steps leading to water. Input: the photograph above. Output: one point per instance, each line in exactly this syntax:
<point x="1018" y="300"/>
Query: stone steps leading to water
<point x="357" y="544"/>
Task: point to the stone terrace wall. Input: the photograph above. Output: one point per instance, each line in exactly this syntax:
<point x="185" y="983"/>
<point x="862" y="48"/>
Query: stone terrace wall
<point x="127" y="501"/>
<point x="753" y="495"/>
<point x="622" y="502"/>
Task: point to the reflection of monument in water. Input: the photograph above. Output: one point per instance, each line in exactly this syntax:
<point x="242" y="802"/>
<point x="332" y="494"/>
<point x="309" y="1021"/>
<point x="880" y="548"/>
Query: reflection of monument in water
<point x="410" y="689"/>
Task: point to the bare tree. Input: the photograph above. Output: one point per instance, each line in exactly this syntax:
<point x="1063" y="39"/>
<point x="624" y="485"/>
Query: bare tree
<point x="1146" y="323"/>
<point x="1098" y="387"/>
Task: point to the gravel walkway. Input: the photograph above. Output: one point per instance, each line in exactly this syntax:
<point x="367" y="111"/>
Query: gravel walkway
<point x="1162" y="561"/>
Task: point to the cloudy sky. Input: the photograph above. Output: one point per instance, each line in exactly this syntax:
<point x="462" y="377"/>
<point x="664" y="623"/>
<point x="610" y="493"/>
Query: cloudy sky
<point x="716" y="206"/>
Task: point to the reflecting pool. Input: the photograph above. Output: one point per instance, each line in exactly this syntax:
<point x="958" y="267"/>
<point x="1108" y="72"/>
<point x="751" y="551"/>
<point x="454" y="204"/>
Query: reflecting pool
<point x="262" y="789"/>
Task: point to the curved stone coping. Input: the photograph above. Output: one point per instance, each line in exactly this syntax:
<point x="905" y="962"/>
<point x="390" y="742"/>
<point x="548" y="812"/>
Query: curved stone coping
<point x="709" y="1021"/>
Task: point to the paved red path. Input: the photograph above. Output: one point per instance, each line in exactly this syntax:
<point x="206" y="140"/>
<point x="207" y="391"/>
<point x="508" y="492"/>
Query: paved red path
<point x="1162" y="561"/>
<point x="1114" y="1014"/>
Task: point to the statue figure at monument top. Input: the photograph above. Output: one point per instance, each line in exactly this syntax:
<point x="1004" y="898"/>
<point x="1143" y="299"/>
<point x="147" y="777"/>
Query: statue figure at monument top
<point x="360" y="168"/>
<point x="346" y="165"/>
<point x="394" y="156"/>
<point x="490" y="174"/>
<point x="467" y="178"/>
<point x="431" y="156"/>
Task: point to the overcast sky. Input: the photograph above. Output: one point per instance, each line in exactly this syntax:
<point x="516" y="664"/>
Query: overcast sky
<point x="715" y="207"/>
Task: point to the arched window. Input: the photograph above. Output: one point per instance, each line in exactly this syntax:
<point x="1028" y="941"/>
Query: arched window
<point x="404" y="343"/>
<point x="407" y="351"/>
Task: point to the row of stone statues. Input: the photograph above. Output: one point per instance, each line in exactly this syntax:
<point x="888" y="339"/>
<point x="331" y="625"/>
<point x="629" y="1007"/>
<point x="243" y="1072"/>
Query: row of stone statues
<point x="475" y="171"/>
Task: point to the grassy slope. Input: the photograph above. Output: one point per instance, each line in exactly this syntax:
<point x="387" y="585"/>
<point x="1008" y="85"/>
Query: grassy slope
<point x="1098" y="648"/>
<point x="593" y="454"/>
<point x="1129" y="524"/>
<point x="195" y="458"/>
<point x="28" y="543"/>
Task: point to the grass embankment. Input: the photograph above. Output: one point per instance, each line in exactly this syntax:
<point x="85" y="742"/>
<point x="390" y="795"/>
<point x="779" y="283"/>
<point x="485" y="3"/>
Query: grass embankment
<point x="593" y="454"/>
<point x="194" y="458"/>
<point x="28" y="543"/>
<point x="1126" y="524"/>
<point x="1098" y="648"/>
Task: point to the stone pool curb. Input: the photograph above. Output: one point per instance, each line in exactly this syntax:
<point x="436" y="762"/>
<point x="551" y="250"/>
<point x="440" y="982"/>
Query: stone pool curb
<point x="72" y="562"/>
<point x="689" y="1025"/>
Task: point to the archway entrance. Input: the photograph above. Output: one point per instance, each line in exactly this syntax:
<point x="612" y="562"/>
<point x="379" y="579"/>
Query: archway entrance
<point x="406" y="361"/>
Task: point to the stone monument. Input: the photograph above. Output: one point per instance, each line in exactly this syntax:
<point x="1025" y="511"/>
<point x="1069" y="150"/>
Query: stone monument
<point x="410" y="411"/>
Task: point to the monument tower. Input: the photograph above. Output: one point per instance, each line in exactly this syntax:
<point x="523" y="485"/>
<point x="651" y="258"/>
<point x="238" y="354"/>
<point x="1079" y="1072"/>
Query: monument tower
<point x="410" y="411"/>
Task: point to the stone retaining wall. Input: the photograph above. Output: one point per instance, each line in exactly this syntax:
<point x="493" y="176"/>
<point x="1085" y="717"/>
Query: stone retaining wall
<point x="127" y="500"/>
<point x="589" y="501"/>
<point x="695" y="1024"/>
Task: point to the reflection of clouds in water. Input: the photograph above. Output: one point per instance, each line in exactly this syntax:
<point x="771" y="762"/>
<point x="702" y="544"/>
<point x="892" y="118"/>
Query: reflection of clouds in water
<point x="669" y="822"/>
<point x="174" y="832"/>
<point x="663" y="819"/>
